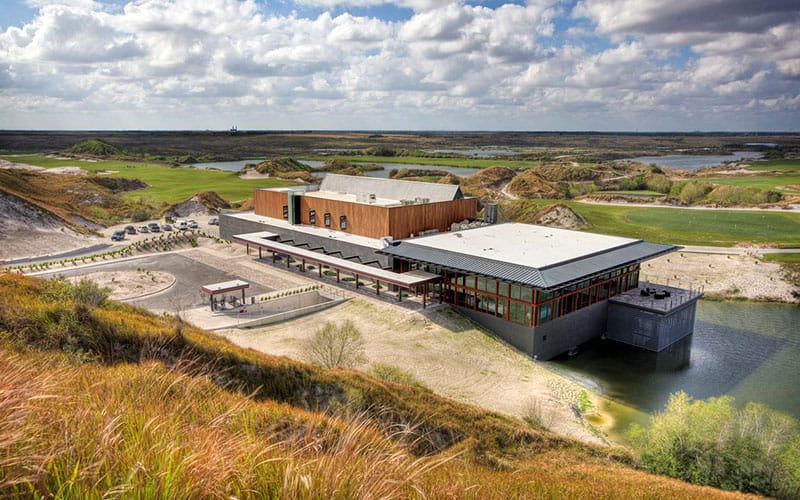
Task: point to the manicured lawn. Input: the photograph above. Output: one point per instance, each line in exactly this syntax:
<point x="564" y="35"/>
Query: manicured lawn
<point x="782" y="173"/>
<point x="787" y="258"/>
<point x="693" y="227"/>
<point x="167" y="184"/>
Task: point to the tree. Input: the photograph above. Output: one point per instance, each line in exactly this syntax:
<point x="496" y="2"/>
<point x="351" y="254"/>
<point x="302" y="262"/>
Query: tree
<point x="336" y="346"/>
<point x="754" y="449"/>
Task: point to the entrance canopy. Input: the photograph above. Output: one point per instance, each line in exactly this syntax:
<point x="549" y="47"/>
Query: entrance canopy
<point x="223" y="287"/>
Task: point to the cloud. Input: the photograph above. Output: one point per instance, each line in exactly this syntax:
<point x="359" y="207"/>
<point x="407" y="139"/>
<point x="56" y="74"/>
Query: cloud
<point x="319" y="63"/>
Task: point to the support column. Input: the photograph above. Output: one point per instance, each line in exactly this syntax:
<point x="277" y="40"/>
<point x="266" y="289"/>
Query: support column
<point x="378" y="287"/>
<point x="259" y="253"/>
<point x="425" y="296"/>
<point x="303" y="266"/>
<point x="274" y="257"/>
<point x="337" y="275"/>
<point x="356" y="282"/>
<point x="242" y="296"/>
<point x="247" y="245"/>
<point x="211" y="298"/>
<point x="320" y="270"/>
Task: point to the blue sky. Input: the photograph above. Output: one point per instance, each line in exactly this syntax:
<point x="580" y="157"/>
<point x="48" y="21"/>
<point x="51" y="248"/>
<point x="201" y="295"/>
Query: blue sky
<point x="628" y="65"/>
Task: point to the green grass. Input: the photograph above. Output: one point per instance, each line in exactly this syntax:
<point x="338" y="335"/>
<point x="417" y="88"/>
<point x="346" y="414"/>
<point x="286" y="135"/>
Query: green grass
<point x="693" y="227"/>
<point x="785" y="258"/>
<point x="782" y="173"/>
<point x="167" y="184"/>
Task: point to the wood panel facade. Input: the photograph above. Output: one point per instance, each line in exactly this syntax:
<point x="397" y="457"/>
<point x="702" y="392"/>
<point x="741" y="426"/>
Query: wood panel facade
<point x="367" y="220"/>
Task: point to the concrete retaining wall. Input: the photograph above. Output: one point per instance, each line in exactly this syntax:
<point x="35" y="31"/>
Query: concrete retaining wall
<point x="517" y="335"/>
<point x="293" y="306"/>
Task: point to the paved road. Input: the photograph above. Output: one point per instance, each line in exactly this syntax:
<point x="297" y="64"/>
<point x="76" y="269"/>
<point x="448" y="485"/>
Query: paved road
<point x="189" y="274"/>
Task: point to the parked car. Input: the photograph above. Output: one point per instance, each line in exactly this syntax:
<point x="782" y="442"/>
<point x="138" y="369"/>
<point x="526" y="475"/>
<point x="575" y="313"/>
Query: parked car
<point x="118" y="235"/>
<point x="192" y="224"/>
<point x="154" y="227"/>
<point x="182" y="224"/>
<point x="143" y="229"/>
<point x="130" y="229"/>
<point x="214" y="221"/>
<point x="166" y="227"/>
<point x="169" y="219"/>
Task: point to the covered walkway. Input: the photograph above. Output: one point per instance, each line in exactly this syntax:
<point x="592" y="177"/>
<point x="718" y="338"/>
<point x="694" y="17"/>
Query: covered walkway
<point x="411" y="281"/>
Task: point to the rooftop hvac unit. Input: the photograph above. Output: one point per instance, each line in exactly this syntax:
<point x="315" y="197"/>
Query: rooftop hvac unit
<point x="421" y="200"/>
<point x="406" y="202"/>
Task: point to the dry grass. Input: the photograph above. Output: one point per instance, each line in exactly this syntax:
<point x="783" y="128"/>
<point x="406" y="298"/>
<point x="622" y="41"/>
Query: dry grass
<point x="112" y="401"/>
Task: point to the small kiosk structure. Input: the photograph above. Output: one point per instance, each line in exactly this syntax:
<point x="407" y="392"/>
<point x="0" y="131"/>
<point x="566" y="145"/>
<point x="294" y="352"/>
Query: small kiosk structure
<point x="222" y="288"/>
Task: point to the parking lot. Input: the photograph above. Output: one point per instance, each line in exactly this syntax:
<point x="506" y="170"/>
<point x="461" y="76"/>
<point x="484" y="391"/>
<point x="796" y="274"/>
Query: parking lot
<point x="189" y="273"/>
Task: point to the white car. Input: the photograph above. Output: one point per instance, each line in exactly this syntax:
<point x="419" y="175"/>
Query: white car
<point x="192" y="224"/>
<point x="181" y="224"/>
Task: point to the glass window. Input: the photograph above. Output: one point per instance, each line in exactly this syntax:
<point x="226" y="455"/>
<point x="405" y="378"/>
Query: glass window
<point x="527" y="294"/>
<point x="312" y="216"/>
<point x="286" y="211"/>
<point x="469" y="282"/>
<point x="502" y="289"/>
<point x="342" y="222"/>
<point x="327" y="218"/>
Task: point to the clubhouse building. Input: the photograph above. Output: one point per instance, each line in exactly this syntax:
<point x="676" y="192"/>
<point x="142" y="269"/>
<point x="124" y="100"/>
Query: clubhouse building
<point x="543" y="290"/>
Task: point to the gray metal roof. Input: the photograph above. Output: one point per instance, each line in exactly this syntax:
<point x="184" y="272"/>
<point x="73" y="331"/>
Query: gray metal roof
<point x="406" y="280"/>
<point x="390" y="188"/>
<point x="553" y="276"/>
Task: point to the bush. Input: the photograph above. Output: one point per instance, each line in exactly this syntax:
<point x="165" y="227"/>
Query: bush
<point x="393" y="373"/>
<point x="89" y="293"/>
<point x="140" y="215"/>
<point x="689" y="192"/>
<point x="659" y="183"/>
<point x="728" y="196"/>
<point x="336" y="346"/>
<point x="755" y="449"/>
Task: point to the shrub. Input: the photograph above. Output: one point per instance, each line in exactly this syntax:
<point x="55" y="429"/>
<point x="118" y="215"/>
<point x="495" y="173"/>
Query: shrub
<point x="140" y="215"/>
<point x="755" y="449"/>
<point x="335" y="346"/>
<point x="89" y="293"/>
<point x="393" y="373"/>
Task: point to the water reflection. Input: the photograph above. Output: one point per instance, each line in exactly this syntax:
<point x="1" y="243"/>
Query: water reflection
<point x="749" y="351"/>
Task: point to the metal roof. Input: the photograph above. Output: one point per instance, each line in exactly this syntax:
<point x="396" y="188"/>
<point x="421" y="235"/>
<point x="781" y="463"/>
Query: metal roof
<point x="224" y="286"/>
<point x="553" y="276"/>
<point x="405" y="280"/>
<point x="390" y="189"/>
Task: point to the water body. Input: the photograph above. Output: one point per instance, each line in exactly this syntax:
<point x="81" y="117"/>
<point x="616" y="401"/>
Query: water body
<point x="235" y="166"/>
<point x="695" y="162"/>
<point x="748" y="351"/>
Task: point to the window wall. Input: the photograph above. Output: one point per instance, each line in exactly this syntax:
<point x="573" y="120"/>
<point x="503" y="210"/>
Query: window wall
<point x="523" y="304"/>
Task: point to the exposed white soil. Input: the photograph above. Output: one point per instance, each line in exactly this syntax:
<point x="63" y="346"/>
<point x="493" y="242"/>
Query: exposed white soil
<point x="132" y="284"/>
<point x="731" y="276"/>
<point x="28" y="231"/>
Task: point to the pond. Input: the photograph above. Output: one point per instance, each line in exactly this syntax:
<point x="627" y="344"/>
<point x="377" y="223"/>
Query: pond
<point x="235" y="166"/>
<point x="745" y="350"/>
<point x="695" y="162"/>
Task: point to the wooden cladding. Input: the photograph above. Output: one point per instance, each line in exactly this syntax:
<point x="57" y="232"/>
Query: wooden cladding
<point x="371" y="221"/>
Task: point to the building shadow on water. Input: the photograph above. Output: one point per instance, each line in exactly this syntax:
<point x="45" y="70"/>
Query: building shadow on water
<point x="708" y="363"/>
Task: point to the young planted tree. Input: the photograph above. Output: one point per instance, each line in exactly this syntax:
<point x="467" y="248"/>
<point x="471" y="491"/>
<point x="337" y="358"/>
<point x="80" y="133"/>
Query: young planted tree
<point x="335" y="346"/>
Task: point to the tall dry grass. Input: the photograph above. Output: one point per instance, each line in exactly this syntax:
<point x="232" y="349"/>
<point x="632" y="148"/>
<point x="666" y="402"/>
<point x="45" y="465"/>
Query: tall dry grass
<point x="147" y="431"/>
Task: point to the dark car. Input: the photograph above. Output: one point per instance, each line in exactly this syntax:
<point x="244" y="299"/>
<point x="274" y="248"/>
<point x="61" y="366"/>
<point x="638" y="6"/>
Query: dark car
<point x="154" y="227"/>
<point x="130" y="229"/>
<point x="169" y="219"/>
<point x="118" y="235"/>
<point x="166" y="227"/>
<point x="214" y="221"/>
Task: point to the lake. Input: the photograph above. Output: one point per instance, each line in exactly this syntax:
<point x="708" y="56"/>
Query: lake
<point x="745" y="350"/>
<point x="695" y="162"/>
<point x="235" y="166"/>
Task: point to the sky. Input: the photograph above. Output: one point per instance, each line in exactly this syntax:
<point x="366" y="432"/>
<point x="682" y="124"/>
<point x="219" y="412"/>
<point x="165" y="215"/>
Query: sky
<point x="572" y="65"/>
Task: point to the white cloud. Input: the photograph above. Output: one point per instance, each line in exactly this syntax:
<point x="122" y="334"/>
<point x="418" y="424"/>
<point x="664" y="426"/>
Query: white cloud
<point x="448" y="63"/>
